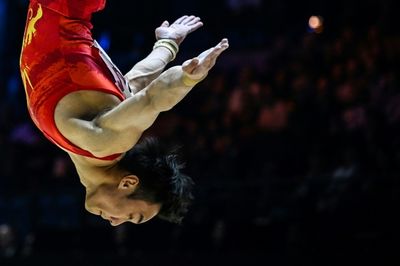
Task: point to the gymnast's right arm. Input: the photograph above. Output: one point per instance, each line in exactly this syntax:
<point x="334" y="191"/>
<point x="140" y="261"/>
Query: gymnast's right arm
<point x="118" y="130"/>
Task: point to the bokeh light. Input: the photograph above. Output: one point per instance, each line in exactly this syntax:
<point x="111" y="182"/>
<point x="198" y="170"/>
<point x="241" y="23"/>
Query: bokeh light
<point x="316" y="24"/>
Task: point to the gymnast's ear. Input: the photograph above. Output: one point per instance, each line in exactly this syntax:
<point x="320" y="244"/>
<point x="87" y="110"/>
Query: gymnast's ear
<point x="128" y="182"/>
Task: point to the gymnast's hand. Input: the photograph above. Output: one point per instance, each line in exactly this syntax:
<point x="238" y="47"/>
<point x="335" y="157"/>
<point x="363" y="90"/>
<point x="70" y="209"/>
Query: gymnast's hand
<point x="178" y="30"/>
<point x="197" y="68"/>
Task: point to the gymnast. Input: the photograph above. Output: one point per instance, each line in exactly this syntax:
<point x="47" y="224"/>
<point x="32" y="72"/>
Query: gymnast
<point x="83" y="104"/>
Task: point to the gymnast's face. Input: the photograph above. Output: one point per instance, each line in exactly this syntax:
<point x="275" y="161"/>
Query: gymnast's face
<point x="111" y="202"/>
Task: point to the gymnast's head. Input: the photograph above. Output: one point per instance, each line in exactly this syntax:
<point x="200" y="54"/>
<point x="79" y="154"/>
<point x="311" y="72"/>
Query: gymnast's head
<point x="152" y="186"/>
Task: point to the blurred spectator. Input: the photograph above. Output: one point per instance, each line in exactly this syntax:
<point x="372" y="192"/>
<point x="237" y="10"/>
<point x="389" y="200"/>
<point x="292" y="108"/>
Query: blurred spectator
<point x="7" y="241"/>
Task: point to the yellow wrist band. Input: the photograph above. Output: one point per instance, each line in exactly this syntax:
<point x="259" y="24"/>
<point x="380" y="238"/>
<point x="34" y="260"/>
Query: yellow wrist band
<point x="189" y="81"/>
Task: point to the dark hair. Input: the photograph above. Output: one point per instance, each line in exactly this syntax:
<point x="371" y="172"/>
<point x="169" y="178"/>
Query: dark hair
<point x="161" y="179"/>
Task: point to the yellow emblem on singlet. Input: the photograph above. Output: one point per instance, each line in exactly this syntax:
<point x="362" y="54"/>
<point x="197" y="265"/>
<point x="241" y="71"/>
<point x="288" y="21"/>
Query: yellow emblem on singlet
<point x="30" y="33"/>
<point x="30" y="28"/>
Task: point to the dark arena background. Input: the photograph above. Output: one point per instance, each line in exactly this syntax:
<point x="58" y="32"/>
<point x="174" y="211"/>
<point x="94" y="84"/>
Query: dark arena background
<point x="293" y="141"/>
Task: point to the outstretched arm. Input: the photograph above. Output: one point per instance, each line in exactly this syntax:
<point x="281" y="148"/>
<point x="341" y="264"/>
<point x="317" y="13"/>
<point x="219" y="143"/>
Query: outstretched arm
<point x="151" y="67"/>
<point x="126" y="122"/>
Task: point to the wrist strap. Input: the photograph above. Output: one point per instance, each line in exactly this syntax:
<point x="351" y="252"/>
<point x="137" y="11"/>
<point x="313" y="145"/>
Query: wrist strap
<point x="171" y="45"/>
<point x="189" y="81"/>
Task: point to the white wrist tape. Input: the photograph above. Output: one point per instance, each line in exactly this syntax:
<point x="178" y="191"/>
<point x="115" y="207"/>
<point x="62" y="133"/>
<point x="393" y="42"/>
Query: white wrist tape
<point x="171" y="45"/>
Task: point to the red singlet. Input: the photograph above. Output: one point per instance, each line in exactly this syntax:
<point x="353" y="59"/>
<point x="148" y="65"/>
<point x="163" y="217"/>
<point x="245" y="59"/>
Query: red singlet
<point x="59" y="56"/>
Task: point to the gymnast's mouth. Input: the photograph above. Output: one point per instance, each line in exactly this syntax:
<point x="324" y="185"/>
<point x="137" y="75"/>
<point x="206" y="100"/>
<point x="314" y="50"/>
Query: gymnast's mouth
<point x="114" y="221"/>
<point x="106" y="217"/>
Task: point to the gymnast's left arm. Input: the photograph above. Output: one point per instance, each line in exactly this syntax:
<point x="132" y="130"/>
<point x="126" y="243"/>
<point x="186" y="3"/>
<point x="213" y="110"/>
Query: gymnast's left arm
<point x="169" y="37"/>
<point x="117" y="130"/>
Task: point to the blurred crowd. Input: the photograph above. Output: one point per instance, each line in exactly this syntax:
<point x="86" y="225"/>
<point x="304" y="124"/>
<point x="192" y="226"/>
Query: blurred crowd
<point x="293" y="141"/>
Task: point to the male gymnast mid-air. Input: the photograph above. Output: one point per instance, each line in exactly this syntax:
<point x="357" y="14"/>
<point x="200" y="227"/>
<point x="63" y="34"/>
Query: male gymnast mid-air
<point x="82" y="103"/>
